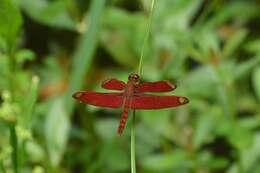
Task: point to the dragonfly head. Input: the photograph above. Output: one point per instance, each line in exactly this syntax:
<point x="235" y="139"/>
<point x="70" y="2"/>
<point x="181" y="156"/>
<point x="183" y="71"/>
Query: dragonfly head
<point x="134" y="78"/>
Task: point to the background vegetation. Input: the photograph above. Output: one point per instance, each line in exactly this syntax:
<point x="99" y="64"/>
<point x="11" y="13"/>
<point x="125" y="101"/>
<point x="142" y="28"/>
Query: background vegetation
<point x="52" y="48"/>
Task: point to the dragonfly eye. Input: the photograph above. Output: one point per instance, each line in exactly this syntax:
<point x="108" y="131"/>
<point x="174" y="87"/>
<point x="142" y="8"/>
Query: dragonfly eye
<point x="134" y="77"/>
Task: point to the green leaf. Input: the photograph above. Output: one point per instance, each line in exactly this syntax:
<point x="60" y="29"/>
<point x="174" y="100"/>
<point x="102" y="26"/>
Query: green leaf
<point x="54" y="14"/>
<point x="106" y="129"/>
<point x="166" y="161"/>
<point x="205" y="43"/>
<point x="235" y="134"/>
<point x="244" y="69"/>
<point x="201" y="81"/>
<point x="24" y="55"/>
<point x="10" y="23"/>
<point x="205" y="159"/>
<point x="240" y="11"/>
<point x="256" y="81"/>
<point x="233" y="43"/>
<point x="118" y="46"/>
<point x="250" y="156"/>
<point x="30" y="103"/>
<point x="159" y="124"/>
<point x="203" y="130"/>
<point x="56" y="131"/>
<point x="34" y="151"/>
<point x="178" y="14"/>
<point x="123" y="32"/>
<point x="233" y="168"/>
<point x="253" y="46"/>
<point x="118" y="159"/>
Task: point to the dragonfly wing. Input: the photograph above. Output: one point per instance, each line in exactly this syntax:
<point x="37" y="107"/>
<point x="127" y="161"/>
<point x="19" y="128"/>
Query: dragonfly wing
<point x="159" y="86"/>
<point x="157" y="102"/>
<point x="113" y="84"/>
<point x="110" y="100"/>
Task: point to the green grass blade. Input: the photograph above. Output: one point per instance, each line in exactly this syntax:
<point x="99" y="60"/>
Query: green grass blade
<point x="57" y="134"/>
<point x="31" y="101"/>
<point x="83" y="56"/>
<point x="14" y="143"/>
<point x="133" y="165"/>
<point x="133" y="162"/>
<point x="140" y="67"/>
<point x="10" y="23"/>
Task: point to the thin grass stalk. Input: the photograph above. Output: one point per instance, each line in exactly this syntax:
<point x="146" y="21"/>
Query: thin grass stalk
<point x="140" y="67"/>
<point x="14" y="143"/>
<point x="133" y="163"/>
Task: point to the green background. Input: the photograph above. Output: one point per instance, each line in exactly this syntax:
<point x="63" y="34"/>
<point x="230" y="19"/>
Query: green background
<point x="50" y="49"/>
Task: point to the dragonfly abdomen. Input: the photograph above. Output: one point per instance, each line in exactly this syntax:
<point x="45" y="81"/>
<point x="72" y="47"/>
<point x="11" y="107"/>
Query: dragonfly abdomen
<point x="123" y="120"/>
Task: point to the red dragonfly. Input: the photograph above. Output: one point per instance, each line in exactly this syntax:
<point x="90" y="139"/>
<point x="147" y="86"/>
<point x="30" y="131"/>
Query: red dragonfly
<point x="132" y="96"/>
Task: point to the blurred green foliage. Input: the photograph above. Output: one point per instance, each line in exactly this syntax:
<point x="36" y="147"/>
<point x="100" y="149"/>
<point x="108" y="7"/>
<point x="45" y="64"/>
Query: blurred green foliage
<point x="50" y="49"/>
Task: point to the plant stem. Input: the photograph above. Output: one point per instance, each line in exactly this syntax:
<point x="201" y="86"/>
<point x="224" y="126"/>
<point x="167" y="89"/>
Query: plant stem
<point x="146" y="38"/>
<point x="133" y="163"/>
<point x="133" y="166"/>
<point x="13" y="141"/>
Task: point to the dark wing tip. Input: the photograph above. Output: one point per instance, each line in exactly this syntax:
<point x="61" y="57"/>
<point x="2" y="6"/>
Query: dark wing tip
<point x="77" y="95"/>
<point x="183" y="100"/>
<point x="173" y="86"/>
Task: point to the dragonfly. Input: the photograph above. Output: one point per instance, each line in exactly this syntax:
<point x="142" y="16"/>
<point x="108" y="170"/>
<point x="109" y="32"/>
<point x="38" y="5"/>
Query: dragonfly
<point x="132" y="95"/>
